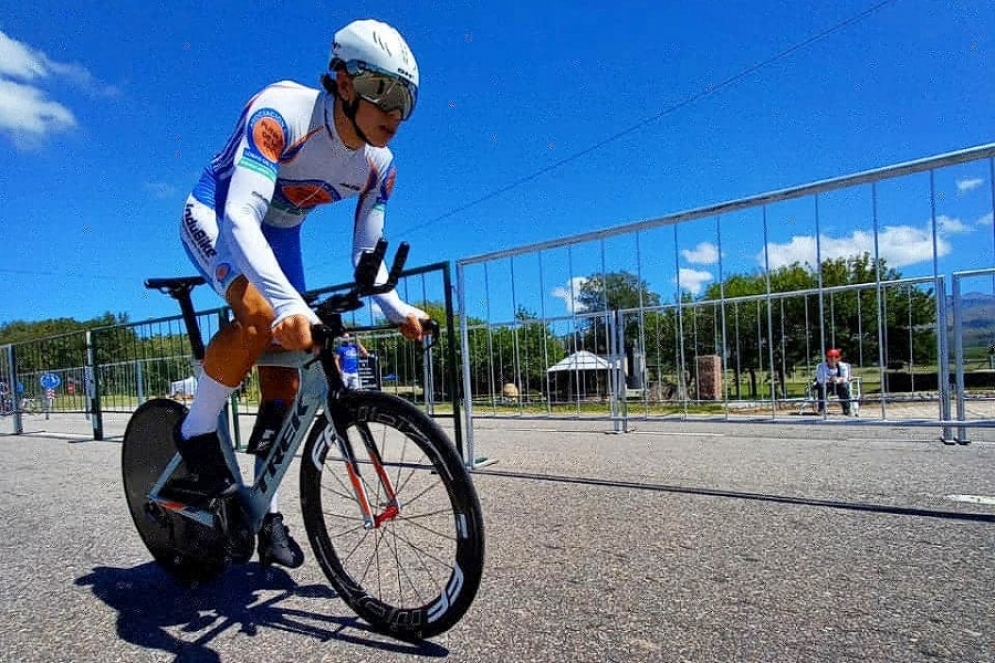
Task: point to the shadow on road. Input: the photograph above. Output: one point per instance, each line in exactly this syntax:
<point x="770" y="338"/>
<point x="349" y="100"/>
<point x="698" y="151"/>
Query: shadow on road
<point x="759" y="497"/>
<point x="148" y="602"/>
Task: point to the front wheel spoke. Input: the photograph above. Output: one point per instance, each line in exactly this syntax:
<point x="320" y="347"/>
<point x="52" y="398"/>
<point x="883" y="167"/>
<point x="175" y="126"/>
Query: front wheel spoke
<point x="423" y="553"/>
<point x="402" y="570"/>
<point x="417" y="496"/>
<point x="344" y="494"/>
<point x="360" y="527"/>
<point x="428" y="514"/>
<point x="347" y="489"/>
<point x="425" y="528"/>
<point x="420" y="559"/>
<point x="375" y="559"/>
<point x="349" y="555"/>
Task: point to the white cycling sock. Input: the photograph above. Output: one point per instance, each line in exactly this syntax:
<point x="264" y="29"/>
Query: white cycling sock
<point x="206" y="406"/>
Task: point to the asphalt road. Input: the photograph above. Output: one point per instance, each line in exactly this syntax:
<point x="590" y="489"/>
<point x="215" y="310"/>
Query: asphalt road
<point x="676" y="542"/>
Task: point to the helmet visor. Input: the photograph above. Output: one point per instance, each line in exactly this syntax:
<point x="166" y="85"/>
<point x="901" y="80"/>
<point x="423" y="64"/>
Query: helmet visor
<point x="387" y="93"/>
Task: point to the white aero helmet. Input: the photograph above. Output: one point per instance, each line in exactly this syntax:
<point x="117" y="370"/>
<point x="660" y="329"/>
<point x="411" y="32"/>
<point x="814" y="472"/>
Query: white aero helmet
<point x="383" y="69"/>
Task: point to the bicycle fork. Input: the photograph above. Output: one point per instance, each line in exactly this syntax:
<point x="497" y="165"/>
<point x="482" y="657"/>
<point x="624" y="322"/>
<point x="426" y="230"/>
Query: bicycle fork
<point x="391" y="507"/>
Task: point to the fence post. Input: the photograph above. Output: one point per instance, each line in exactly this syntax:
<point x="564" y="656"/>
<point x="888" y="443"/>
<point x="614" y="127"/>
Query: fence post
<point x="961" y="437"/>
<point x="15" y="403"/>
<point x="616" y="372"/>
<point x="468" y="452"/>
<point x="453" y="372"/>
<point x="943" y="359"/>
<point x="93" y="388"/>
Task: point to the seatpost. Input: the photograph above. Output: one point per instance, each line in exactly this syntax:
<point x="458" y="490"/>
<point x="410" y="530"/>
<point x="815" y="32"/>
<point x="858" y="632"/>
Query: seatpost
<point x="190" y="320"/>
<point x="181" y="293"/>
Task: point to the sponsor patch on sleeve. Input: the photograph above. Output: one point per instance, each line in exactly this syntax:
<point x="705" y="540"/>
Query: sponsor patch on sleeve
<point x="267" y="134"/>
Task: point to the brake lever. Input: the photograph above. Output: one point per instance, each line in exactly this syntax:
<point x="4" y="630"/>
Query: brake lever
<point x="430" y="329"/>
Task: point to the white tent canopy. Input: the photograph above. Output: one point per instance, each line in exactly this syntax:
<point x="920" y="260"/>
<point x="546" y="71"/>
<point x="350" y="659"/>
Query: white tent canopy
<point x="582" y="360"/>
<point x="185" y="387"/>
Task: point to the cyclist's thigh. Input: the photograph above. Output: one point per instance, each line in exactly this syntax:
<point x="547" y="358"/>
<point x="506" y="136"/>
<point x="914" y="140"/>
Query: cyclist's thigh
<point x="247" y="303"/>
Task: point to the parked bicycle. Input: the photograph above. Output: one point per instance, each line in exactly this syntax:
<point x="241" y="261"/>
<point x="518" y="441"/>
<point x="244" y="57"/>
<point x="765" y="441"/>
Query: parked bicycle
<point x="390" y="510"/>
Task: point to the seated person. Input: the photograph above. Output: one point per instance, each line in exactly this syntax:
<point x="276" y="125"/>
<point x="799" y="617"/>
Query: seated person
<point x="833" y="376"/>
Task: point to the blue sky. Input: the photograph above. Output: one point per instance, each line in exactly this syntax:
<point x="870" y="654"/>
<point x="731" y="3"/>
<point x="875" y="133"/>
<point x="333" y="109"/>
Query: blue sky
<point x="108" y="112"/>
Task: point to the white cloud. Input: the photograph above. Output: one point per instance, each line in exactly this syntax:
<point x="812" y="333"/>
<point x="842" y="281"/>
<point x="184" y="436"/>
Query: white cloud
<point x="27" y="114"/>
<point x="705" y="253"/>
<point x="899" y="246"/>
<point x="986" y="220"/>
<point x="963" y="186"/>
<point x="17" y="60"/>
<point x="570" y="294"/>
<point x="952" y="226"/>
<point x="693" y="280"/>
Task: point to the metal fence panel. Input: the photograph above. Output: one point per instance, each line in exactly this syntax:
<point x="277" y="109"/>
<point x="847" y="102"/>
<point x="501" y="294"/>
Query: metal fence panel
<point x="723" y="312"/>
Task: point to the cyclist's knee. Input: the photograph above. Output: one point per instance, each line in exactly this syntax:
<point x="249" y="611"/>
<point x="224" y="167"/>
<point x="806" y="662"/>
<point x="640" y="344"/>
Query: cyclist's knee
<point x="255" y="332"/>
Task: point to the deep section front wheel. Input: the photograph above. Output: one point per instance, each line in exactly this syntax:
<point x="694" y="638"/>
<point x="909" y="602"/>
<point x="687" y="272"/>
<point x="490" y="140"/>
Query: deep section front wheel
<point x="413" y="568"/>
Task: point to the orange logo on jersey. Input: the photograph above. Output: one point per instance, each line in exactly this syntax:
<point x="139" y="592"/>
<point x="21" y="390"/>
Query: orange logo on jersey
<point x="306" y="195"/>
<point x="267" y="135"/>
<point x="222" y="271"/>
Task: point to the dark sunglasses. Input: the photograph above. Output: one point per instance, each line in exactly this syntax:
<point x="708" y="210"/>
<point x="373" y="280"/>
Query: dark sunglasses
<point x="386" y="92"/>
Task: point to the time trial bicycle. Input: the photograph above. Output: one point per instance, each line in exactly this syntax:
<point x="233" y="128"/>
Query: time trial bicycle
<point x="391" y="513"/>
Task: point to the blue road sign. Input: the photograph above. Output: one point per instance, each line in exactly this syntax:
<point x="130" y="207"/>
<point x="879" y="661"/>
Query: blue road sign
<point x="50" y="381"/>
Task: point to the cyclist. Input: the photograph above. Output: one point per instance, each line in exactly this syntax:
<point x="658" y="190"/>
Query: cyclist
<point x="293" y="149"/>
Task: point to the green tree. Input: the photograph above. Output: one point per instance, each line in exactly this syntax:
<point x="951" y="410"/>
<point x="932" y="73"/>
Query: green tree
<point x="602" y="294"/>
<point x="59" y="343"/>
<point x="849" y="317"/>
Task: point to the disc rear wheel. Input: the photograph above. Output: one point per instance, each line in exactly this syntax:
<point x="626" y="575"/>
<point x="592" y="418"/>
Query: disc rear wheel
<point x="187" y="550"/>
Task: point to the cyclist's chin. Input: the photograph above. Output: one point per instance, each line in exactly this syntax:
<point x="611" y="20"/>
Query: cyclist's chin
<point x="379" y="135"/>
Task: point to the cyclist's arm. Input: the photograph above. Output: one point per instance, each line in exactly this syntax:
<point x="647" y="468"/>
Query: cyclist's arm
<point x="250" y="191"/>
<point x="370" y="216"/>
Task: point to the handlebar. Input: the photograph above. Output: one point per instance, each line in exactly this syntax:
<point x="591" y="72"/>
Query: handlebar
<point x="364" y="281"/>
<point x="323" y="335"/>
<point x="331" y="309"/>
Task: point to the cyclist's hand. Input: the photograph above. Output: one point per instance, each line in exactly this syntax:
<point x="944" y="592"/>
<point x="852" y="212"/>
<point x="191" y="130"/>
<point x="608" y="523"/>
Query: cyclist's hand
<point x="412" y="328"/>
<point x="293" y="333"/>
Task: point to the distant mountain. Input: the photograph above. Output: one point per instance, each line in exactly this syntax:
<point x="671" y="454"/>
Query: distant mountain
<point x="977" y="318"/>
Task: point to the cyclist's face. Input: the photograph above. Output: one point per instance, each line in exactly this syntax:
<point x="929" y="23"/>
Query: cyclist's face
<point x="378" y="126"/>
